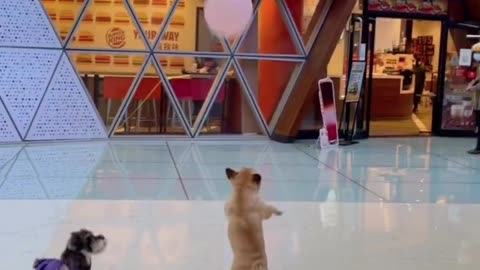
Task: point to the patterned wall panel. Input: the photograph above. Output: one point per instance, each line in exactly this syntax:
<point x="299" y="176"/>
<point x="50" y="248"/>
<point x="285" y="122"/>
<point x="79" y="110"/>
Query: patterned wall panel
<point x="42" y="95"/>
<point x="24" y="24"/>
<point x="25" y="77"/>
<point x="8" y="133"/>
<point x="66" y="111"/>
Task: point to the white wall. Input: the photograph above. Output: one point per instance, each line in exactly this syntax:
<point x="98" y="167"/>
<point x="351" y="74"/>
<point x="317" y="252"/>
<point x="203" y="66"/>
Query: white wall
<point x="388" y="33"/>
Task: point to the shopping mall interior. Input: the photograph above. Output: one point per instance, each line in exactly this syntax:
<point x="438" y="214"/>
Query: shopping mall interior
<point x="122" y="116"/>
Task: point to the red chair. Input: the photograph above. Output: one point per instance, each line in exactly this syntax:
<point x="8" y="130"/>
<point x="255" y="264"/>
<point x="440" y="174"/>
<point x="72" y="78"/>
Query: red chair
<point x="200" y="89"/>
<point x="182" y="88"/>
<point x="149" y="89"/>
<point x="115" y="88"/>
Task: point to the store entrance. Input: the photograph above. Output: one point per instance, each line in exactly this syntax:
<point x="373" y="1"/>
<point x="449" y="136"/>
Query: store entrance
<point x="404" y="78"/>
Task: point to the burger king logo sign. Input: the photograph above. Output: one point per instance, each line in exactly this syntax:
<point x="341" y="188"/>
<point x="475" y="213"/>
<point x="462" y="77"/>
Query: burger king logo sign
<point x="116" y="38"/>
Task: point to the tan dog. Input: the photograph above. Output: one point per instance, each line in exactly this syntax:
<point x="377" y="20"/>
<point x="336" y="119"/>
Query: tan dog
<point x="245" y="212"/>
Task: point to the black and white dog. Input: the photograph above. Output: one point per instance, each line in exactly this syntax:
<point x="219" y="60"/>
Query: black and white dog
<point x="77" y="256"/>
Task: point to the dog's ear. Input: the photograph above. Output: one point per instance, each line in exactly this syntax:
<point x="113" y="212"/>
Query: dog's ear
<point x="230" y="173"/>
<point x="75" y="242"/>
<point x="257" y="178"/>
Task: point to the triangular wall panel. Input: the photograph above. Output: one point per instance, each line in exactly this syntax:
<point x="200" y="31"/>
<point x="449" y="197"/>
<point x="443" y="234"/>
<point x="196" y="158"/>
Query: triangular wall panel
<point x="303" y="15"/>
<point x="108" y="25"/>
<point x="113" y="89"/>
<point x="151" y="16"/>
<point x="64" y="14"/>
<point x="232" y="110"/>
<point x="24" y="23"/>
<point x="191" y="91"/>
<point x="66" y="112"/>
<point x="267" y="80"/>
<point x="142" y="113"/>
<point x="175" y="37"/>
<point x="25" y="77"/>
<point x="269" y="32"/>
<point x="8" y="133"/>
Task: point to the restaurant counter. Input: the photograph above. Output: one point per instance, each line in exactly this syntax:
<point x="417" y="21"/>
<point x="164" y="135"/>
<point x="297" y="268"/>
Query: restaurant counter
<point x="389" y="100"/>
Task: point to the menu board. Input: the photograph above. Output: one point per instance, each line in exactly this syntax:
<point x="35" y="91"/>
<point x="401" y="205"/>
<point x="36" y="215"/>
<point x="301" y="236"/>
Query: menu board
<point x="355" y="82"/>
<point x="431" y="7"/>
<point x="107" y="25"/>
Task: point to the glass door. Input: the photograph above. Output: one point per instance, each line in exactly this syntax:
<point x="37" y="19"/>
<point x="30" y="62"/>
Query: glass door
<point x="457" y="113"/>
<point x="350" y="117"/>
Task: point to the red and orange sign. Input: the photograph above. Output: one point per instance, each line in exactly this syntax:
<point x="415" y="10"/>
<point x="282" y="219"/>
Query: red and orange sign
<point x="430" y="7"/>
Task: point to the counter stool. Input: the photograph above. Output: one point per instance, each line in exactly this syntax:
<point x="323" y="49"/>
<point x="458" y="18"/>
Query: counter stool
<point x="201" y="87"/>
<point x="116" y="89"/>
<point x="149" y="89"/>
<point x="182" y="89"/>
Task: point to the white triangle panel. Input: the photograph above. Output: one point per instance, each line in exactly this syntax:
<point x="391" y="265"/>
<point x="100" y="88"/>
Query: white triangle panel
<point x="24" y="23"/>
<point x="8" y="133"/>
<point x="25" y="74"/>
<point x="66" y="112"/>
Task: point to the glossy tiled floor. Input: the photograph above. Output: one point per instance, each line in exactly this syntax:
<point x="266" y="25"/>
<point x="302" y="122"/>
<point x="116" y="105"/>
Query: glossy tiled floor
<point x="410" y="203"/>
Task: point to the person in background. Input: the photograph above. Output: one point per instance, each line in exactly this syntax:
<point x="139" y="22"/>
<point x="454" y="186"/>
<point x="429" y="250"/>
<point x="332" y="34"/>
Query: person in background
<point x="474" y="87"/>
<point x="209" y="66"/>
<point x="406" y="73"/>
<point x="420" y="77"/>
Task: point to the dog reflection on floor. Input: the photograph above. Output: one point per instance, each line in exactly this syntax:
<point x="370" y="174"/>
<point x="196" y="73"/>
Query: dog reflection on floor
<point x="245" y="213"/>
<point x="78" y="253"/>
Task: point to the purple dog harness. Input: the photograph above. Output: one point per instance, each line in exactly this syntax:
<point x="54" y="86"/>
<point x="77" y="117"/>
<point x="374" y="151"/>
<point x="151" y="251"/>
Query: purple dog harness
<point x="49" y="264"/>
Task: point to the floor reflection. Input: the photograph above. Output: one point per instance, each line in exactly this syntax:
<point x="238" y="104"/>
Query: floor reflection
<point x="403" y="203"/>
<point x="404" y="170"/>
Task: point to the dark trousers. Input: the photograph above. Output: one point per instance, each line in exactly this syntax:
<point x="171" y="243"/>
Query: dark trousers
<point x="416" y="100"/>
<point x="417" y="96"/>
<point x="477" y="114"/>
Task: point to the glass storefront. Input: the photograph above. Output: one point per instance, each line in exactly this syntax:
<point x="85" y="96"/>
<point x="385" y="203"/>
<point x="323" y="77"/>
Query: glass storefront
<point x="457" y="106"/>
<point x="420" y="36"/>
<point x="152" y="67"/>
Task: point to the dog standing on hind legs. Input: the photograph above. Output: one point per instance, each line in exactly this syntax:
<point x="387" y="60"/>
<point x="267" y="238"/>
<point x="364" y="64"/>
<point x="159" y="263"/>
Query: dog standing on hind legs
<point x="245" y="212"/>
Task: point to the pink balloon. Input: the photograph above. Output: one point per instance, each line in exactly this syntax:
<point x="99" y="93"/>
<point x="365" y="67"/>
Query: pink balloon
<point x="228" y="18"/>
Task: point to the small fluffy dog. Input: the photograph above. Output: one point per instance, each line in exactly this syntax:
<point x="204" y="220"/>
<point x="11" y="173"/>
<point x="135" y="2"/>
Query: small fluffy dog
<point x="77" y="255"/>
<point x="245" y="212"/>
